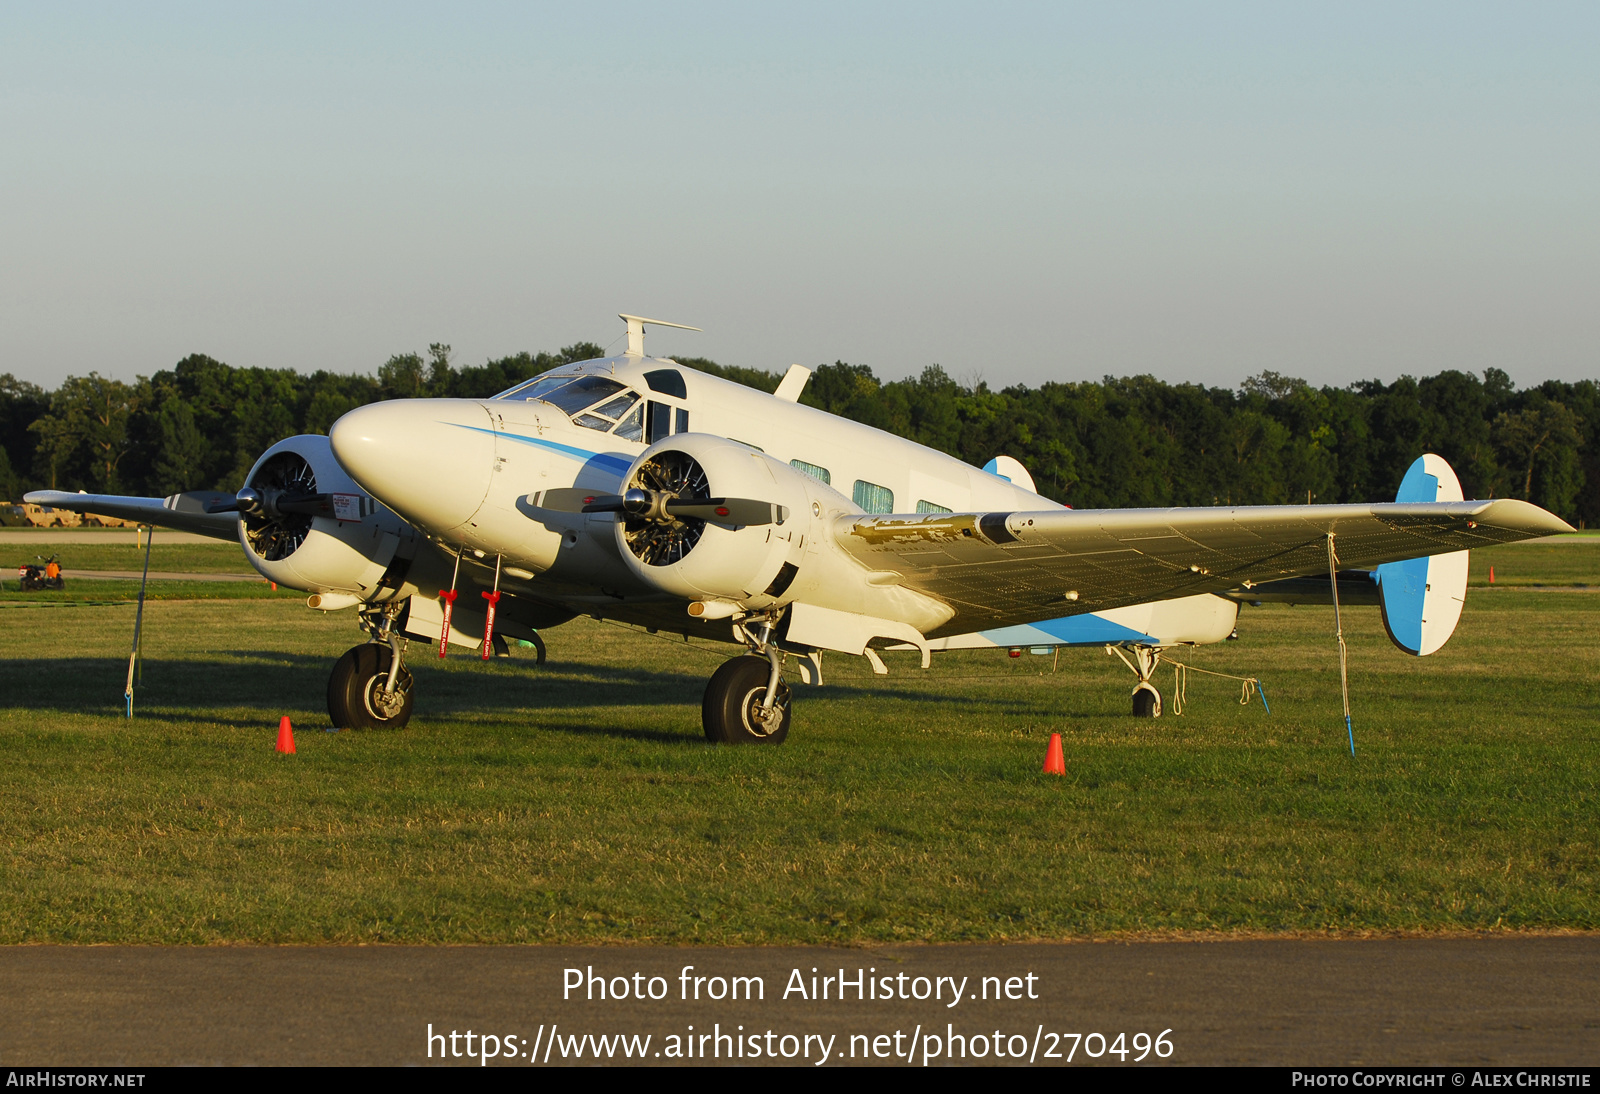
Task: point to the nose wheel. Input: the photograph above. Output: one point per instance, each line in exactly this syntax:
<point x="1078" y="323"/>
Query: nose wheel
<point x="360" y="695"/>
<point x="735" y="709"/>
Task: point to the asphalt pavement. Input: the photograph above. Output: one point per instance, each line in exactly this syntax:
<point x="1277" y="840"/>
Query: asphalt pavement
<point x="1496" y="1000"/>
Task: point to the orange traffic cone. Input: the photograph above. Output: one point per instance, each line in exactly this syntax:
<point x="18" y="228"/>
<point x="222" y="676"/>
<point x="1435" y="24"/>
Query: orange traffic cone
<point x="285" y="736"/>
<point x="1054" y="763"/>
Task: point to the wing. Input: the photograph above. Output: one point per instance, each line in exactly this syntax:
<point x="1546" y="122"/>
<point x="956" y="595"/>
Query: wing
<point x="1003" y="568"/>
<point x="185" y="512"/>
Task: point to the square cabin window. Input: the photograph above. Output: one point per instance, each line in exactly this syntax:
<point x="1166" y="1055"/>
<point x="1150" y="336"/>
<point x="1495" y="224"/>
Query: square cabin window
<point x="930" y="507"/>
<point x="872" y="497"/>
<point x="819" y="473"/>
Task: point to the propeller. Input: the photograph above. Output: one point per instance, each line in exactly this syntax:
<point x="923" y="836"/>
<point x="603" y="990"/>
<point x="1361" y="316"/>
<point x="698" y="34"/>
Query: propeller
<point x="278" y="504"/>
<point x="252" y="501"/>
<point x="663" y="507"/>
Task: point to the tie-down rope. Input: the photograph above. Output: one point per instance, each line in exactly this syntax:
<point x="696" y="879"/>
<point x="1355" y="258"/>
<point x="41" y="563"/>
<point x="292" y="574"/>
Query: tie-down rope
<point x="1250" y="686"/>
<point x="1338" y="632"/>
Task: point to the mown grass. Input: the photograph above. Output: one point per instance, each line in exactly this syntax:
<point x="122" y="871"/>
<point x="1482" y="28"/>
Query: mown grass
<point x="212" y="558"/>
<point x="1571" y="560"/>
<point x="577" y="802"/>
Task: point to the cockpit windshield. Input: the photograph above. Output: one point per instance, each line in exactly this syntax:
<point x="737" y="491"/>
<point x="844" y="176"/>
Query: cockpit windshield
<point x="537" y="387"/>
<point x="575" y="394"/>
<point x="581" y="393"/>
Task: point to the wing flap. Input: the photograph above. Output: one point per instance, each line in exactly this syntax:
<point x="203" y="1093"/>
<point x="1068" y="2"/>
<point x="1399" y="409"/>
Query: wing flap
<point x="1004" y="568"/>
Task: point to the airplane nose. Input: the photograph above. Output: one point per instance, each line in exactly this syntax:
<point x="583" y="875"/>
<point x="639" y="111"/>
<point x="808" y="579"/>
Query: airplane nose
<point x="430" y="460"/>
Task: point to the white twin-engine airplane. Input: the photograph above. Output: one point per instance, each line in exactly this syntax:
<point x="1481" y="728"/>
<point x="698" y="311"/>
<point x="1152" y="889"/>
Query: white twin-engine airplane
<point x="631" y="488"/>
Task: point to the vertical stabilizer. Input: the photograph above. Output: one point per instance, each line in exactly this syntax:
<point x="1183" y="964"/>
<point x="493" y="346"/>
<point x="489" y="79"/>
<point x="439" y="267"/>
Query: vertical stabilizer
<point x="1422" y="597"/>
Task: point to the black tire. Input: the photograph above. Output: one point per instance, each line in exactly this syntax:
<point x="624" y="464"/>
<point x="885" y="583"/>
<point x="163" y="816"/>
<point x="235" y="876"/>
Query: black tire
<point x="729" y="711"/>
<point x="356" y="687"/>
<point x="1146" y="703"/>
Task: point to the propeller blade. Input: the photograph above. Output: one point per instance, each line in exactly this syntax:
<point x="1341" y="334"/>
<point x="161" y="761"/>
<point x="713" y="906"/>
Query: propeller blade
<point x="730" y="511"/>
<point x="572" y="499"/>
<point x="314" y="504"/>
<point x="201" y="501"/>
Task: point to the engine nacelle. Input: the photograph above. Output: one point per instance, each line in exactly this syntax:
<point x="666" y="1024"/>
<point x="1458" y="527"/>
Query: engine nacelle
<point x="752" y="565"/>
<point x="353" y="545"/>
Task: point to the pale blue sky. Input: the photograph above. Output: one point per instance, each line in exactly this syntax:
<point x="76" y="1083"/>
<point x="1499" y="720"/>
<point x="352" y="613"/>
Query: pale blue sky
<point x="1015" y="191"/>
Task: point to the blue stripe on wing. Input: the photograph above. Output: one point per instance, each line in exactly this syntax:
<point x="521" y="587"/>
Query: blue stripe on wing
<point x="1074" y="630"/>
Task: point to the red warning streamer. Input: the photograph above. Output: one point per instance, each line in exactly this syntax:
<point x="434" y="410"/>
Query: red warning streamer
<point x="488" y="616"/>
<point x="449" y="607"/>
<point x="444" y="631"/>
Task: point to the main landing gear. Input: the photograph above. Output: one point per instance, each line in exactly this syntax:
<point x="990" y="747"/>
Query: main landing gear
<point x="1146" y="699"/>
<point x="370" y="687"/>
<point x="747" y="701"/>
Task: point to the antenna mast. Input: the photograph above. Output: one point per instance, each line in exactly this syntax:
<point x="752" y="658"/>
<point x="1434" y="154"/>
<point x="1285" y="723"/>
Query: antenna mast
<point x="636" y="332"/>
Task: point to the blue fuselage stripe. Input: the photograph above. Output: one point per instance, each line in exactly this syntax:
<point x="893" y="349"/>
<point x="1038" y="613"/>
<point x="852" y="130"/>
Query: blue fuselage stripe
<point x="582" y="455"/>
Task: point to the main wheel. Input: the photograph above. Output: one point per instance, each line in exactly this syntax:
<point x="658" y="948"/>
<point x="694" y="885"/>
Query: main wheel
<point x="356" y="697"/>
<point x="731" y="711"/>
<point x="1146" y="702"/>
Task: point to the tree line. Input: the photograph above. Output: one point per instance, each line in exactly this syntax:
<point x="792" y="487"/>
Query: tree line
<point x="1129" y="441"/>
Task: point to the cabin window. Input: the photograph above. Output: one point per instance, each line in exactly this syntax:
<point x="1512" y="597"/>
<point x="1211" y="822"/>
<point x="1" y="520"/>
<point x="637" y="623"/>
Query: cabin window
<point x="632" y="427"/>
<point x="668" y="381"/>
<point x="683" y="421"/>
<point x="930" y="507"/>
<point x="658" y="421"/>
<point x="873" y="498"/>
<point x="819" y="473"/>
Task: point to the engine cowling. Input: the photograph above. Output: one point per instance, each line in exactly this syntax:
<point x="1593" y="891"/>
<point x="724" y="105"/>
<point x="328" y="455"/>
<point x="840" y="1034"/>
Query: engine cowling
<point x="751" y="565"/>
<point x="352" y="545"/>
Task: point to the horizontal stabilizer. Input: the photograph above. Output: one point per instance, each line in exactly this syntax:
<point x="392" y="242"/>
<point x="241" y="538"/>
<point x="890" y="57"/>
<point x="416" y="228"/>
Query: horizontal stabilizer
<point x="1355" y="587"/>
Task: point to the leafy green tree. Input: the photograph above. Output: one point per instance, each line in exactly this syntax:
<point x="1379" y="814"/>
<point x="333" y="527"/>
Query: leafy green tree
<point x="1541" y="444"/>
<point x="88" y="419"/>
<point x="21" y="404"/>
<point x="183" y="455"/>
<point x="403" y="376"/>
<point x="10" y="485"/>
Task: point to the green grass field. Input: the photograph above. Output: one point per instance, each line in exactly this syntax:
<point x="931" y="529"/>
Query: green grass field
<point x="577" y="801"/>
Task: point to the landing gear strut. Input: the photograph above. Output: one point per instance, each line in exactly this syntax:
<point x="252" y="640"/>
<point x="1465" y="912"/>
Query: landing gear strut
<point x="747" y="701"/>
<point x="370" y="687"/>
<point x="1146" y="699"/>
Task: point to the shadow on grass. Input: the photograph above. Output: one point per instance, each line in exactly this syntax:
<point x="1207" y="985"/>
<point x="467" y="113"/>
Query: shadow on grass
<point x="207" y="690"/>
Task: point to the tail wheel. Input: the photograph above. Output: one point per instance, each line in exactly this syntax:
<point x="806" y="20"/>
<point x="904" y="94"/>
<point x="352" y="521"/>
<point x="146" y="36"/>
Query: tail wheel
<point x="732" y="711"/>
<point x="357" y="698"/>
<point x="1146" y="702"/>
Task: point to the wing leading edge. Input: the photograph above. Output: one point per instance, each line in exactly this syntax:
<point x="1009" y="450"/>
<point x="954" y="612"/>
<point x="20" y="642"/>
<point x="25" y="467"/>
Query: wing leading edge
<point x="998" y="569"/>
<point x="184" y="512"/>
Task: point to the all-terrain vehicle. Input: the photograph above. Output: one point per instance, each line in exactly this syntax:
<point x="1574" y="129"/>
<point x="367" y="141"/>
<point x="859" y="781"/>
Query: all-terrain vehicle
<point x="45" y="574"/>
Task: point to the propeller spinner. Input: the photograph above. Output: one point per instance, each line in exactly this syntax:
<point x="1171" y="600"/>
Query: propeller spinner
<point x="665" y="507"/>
